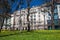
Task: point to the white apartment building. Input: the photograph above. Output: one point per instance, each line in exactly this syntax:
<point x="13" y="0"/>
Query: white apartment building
<point x="15" y="20"/>
<point x="36" y="18"/>
<point x="18" y="19"/>
<point x="23" y="19"/>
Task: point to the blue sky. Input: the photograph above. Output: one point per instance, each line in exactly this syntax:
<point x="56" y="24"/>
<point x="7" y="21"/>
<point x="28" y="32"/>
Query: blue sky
<point x="33" y="3"/>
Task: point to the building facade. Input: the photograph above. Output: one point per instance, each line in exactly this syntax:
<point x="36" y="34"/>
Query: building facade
<point x="36" y="18"/>
<point x="56" y="16"/>
<point x="39" y="18"/>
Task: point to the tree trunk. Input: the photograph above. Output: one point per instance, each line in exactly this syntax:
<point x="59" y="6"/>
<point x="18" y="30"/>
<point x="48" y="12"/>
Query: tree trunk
<point x="2" y="22"/>
<point x="28" y="20"/>
<point x="52" y="15"/>
<point x="6" y="24"/>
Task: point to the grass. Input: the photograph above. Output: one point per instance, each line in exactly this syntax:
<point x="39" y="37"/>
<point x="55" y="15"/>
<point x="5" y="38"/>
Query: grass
<point x="8" y="33"/>
<point x="33" y="35"/>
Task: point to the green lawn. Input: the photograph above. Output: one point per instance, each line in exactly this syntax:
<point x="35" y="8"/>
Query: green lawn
<point x="34" y="35"/>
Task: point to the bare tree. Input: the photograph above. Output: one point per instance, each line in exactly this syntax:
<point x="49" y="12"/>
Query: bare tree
<point x="28" y="5"/>
<point x="52" y="14"/>
<point x="5" y="7"/>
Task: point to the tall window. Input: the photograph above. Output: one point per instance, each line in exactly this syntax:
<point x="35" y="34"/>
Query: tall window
<point x="55" y="12"/>
<point x="39" y="15"/>
<point x="34" y="15"/>
<point x="34" y="22"/>
<point x="55" y="15"/>
<point x="31" y="16"/>
<point x="34" y="19"/>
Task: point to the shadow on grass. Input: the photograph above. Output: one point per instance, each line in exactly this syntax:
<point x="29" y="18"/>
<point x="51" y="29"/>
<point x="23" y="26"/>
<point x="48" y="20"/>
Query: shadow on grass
<point x="19" y="33"/>
<point x="9" y="34"/>
<point x="45" y="32"/>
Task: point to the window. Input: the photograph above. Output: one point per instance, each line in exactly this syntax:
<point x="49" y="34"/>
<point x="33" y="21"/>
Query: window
<point x="24" y="11"/>
<point x="56" y="21"/>
<point x="49" y="21"/>
<point x="24" y="23"/>
<point x="59" y="7"/>
<point x="39" y="15"/>
<point x="34" y="19"/>
<point x="34" y="15"/>
<point x="39" y="19"/>
<point x="49" y="14"/>
<point x="49" y="18"/>
<point x="31" y="22"/>
<point x="39" y="22"/>
<point x="31" y="19"/>
<point x="34" y="10"/>
<point x="31" y="16"/>
<point x="39" y="12"/>
<point x="34" y="22"/>
<point x="55" y="15"/>
<point x="55" y="10"/>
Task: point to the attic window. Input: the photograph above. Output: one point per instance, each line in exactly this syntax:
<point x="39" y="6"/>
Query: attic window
<point x="23" y="11"/>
